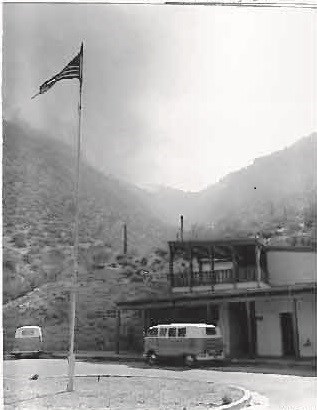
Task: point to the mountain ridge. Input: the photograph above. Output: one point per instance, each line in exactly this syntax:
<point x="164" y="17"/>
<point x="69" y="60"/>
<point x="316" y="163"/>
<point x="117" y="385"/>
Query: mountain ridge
<point x="285" y="178"/>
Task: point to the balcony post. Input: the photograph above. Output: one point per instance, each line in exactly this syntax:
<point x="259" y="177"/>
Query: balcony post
<point x="191" y="273"/>
<point x="211" y="256"/>
<point x="118" y="324"/>
<point x="258" y="264"/>
<point x="200" y="271"/>
<point x="235" y="266"/>
<point x="171" y="265"/>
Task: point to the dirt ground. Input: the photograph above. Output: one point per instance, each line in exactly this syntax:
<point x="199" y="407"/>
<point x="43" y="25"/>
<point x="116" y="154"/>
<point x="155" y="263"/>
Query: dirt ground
<point x="116" y="393"/>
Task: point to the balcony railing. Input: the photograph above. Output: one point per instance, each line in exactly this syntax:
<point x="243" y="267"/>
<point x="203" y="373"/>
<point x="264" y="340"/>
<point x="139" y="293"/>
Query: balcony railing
<point x="212" y="278"/>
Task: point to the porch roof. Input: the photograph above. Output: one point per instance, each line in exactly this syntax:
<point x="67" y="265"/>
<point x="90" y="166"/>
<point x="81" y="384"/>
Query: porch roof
<point x="224" y="296"/>
<point x="213" y="242"/>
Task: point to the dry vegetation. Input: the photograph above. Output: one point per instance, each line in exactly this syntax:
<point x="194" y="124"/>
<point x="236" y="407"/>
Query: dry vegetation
<point x="37" y="241"/>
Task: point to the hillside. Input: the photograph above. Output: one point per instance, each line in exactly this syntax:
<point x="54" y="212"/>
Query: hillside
<point x="38" y="210"/>
<point x="98" y="292"/>
<point x="277" y="191"/>
<point x="38" y="215"/>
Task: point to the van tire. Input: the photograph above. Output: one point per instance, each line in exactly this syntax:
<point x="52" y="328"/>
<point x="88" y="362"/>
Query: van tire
<point x="152" y="358"/>
<point x="189" y="360"/>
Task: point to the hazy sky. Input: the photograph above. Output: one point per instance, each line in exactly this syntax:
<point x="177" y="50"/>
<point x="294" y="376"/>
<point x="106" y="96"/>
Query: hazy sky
<point x="178" y="96"/>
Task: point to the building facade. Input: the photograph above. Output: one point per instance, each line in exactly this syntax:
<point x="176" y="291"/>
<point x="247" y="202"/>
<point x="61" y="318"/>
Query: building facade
<point x="263" y="298"/>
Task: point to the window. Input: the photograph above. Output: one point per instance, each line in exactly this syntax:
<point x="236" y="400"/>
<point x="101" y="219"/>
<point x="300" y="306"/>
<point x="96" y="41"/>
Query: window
<point x="172" y="332"/>
<point x="152" y="332"/>
<point x="28" y="332"/>
<point x="210" y="331"/>
<point x="182" y="332"/>
<point x="163" y="331"/>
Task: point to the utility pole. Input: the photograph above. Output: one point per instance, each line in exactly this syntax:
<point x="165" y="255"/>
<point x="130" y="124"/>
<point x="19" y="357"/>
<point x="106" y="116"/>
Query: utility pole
<point x="125" y="239"/>
<point x="182" y="228"/>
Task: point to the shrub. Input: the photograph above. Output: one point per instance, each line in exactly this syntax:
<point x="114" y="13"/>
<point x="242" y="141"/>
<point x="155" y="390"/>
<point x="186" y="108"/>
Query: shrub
<point x="226" y="399"/>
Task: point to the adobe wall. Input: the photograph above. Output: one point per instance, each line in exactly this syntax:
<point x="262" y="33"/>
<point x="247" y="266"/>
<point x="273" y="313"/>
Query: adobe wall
<point x="287" y="267"/>
<point x="269" y="337"/>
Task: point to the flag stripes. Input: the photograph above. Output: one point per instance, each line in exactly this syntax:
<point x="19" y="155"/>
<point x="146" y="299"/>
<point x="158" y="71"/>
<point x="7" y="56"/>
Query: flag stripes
<point x="72" y="70"/>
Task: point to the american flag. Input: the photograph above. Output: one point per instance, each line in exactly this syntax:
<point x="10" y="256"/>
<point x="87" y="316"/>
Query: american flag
<point x="72" y="70"/>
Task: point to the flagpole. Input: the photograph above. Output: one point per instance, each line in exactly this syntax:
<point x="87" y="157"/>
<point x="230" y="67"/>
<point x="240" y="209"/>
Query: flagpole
<point x="73" y="292"/>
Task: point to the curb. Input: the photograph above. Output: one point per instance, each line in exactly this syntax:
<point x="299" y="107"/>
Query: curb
<point x="227" y="362"/>
<point x="238" y="404"/>
<point x="97" y="357"/>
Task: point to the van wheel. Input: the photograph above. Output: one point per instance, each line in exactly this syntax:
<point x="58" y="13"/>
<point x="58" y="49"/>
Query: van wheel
<point x="152" y="358"/>
<point x="189" y="360"/>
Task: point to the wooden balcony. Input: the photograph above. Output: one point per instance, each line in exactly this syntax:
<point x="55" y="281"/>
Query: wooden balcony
<point x="216" y="265"/>
<point x="218" y="277"/>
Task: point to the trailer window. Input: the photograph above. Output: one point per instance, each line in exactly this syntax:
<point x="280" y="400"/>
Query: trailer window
<point x="182" y="332"/>
<point x="152" y="332"/>
<point x="172" y="332"/>
<point x="163" y="331"/>
<point x="210" y="331"/>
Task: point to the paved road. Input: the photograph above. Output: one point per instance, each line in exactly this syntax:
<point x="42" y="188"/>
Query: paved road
<point x="283" y="391"/>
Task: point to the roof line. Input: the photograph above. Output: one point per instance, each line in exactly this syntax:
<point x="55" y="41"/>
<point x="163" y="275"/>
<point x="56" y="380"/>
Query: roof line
<point x="244" y="293"/>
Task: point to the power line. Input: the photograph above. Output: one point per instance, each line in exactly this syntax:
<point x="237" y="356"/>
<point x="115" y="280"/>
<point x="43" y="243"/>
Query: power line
<point x="243" y="4"/>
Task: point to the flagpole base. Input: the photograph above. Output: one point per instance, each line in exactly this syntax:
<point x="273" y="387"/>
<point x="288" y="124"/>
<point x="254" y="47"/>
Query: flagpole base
<point x="71" y="371"/>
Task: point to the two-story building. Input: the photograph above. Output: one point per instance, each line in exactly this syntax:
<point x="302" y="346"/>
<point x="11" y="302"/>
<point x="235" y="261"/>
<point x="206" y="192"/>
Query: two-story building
<point x="263" y="298"/>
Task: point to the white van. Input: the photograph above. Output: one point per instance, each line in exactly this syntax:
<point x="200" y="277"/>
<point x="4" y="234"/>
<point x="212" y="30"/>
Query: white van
<point x="192" y="342"/>
<point x="28" y="341"/>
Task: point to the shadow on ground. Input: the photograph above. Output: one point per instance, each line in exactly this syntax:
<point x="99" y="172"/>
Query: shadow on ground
<point x="177" y="366"/>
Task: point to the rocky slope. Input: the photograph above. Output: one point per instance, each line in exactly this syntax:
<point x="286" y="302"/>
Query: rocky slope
<point x="38" y="211"/>
<point x="98" y="291"/>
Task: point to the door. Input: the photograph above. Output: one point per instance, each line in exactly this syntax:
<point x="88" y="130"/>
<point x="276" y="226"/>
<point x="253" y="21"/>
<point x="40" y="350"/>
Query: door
<point x="287" y="332"/>
<point x="238" y="320"/>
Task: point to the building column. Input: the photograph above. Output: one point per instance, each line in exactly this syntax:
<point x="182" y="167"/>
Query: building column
<point x="208" y="312"/>
<point x="258" y="265"/>
<point x="146" y="323"/>
<point x="171" y="266"/>
<point x="118" y="323"/>
<point x="224" y="325"/>
<point x="295" y="329"/>
<point x="250" y="328"/>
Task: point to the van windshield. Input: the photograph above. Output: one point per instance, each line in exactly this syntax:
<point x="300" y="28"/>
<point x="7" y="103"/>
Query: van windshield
<point x="152" y="331"/>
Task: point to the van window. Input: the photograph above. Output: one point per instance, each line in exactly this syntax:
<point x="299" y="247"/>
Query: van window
<point x="163" y="331"/>
<point x="210" y="331"/>
<point x="28" y="332"/>
<point x="172" y="332"/>
<point x="182" y="332"/>
<point x="152" y="332"/>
